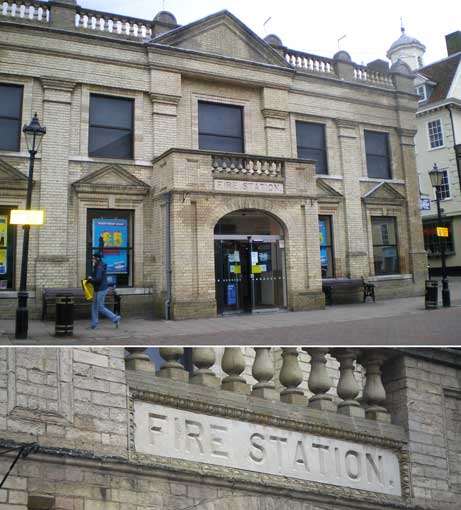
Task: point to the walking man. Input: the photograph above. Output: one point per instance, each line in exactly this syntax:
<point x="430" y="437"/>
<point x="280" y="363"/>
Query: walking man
<point x="99" y="280"/>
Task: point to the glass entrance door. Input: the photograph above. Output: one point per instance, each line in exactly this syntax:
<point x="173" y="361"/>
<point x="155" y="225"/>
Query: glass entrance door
<point x="250" y="274"/>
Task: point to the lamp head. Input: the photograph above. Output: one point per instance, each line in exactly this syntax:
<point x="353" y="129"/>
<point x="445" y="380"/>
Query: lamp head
<point x="34" y="134"/>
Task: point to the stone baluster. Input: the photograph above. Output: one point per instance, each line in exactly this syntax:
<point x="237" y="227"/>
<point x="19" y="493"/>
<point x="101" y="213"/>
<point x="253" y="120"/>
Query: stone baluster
<point x="263" y="371"/>
<point x="204" y="358"/>
<point x="319" y="382"/>
<point x="348" y="388"/>
<point x="233" y="364"/>
<point x="173" y="369"/>
<point x="374" y="393"/>
<point x="291" y="377"/>
<point x="138" y="360"/>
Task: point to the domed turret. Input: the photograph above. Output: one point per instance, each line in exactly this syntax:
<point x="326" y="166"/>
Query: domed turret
<point x="408" y="50"/>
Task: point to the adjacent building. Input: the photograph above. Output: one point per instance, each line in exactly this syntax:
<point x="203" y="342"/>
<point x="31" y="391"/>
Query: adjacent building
<point x="204" y="161"/>
<point x="243" y="428"/>
<point x="438" y="142"/>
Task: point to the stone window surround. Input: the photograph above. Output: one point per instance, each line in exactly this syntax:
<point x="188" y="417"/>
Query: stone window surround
<point x="27" y="107"/>
<point x="112" y="202"/>
<point x="442" y="133"/>
<point x="196" y="97"/>
<point x="138" y="119"/>
<point x="329" y="147"/>
<point x="402" y="236"/>
<point x="338" y="230"/>
<point x="393" y="158"/>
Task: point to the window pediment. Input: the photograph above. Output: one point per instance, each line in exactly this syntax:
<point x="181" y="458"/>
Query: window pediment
<point x="11" y="178"/>
<point x="383" y="193"/>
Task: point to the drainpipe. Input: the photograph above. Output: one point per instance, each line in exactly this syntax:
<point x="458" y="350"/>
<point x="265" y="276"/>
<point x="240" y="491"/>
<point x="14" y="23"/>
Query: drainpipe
<point x="457" y="156"/>
<point x="168" y="253"/>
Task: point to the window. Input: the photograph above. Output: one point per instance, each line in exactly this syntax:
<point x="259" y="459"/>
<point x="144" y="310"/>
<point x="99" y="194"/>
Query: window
<point x="311" y="144"/>
<point x="444" y="189"/>
<point x="421" y="91"/>
<point x="435" y="133"/>
<point x="386" y="259"/>
<point x="432" y="241"/>
<point x="326" y="247"/>
<point x="10" y="117"/>
<point x="377" y="150"/>
<point x="109" y="232"/>
<point x="220" y="127"/>
<point x="111" y="127"/>
<point x="7" y="250"/>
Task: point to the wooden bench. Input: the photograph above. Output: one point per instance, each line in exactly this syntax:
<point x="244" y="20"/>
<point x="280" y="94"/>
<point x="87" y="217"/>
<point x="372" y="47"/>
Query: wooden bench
<point x="347" y="285"/>
<point x="49" y="295"/>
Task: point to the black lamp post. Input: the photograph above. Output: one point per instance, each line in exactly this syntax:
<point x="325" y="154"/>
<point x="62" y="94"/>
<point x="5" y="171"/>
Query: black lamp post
<point x="437" y="178"/>
<point x="33" y="134"/>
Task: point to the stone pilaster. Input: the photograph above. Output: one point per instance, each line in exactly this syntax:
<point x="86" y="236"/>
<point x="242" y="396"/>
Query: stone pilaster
<point x="52" y="262"/>
<point x="350" y="150"/>
<point x="275" y="113"/>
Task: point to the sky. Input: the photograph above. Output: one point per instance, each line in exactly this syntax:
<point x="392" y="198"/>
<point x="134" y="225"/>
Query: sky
<point x="370" y="26"/>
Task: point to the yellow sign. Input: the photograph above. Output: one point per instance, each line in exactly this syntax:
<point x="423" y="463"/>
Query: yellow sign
<point x="256" y="269"/>
<point x="3" y="231"/>
<point x="26" y="217"/>
<point x="442" y="231"/>
<point x="237" y="269"/>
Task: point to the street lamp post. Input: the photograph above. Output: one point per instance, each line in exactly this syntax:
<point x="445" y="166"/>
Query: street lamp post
<point x="437" y="178"/>
<point x="33" y="134"/>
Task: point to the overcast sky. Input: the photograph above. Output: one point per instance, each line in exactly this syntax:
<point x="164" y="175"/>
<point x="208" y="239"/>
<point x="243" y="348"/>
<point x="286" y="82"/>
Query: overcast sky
<point x="370" y="26"/>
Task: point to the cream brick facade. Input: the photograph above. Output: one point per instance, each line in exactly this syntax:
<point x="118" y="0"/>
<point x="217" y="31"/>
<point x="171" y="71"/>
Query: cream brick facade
<point x="60" y="65"/>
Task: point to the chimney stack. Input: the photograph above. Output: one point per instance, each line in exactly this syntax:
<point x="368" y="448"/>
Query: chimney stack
<point x="453" y="42"/>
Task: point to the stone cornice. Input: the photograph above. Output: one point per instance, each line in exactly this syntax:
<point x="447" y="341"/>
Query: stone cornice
<point x="164" y="98"/>
<point x="57" y="84"/>
<point x="276" y="114"/>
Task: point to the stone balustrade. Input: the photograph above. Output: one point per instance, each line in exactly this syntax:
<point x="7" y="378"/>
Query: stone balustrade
<point x="373" y="77"/>
<point x="113" y="24"/>
<point x="227" y="163"/>
<point x="35" y="11"/>
<point x="309" y="62"/>
<point x="321" y="395"/>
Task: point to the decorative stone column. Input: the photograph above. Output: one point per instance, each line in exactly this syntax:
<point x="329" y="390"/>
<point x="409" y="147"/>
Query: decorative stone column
<point x="173" y="369"/>
<point x="319" y="381"/>
<point x="233" y="364"/>
<point x="291" y="377"/>
<point x="138" y="360"/>
<point x="52" y="263"/>
<point x="204" y="358"/>
<point x="347" y="387"/>
<point x="374" y="393"/>
<point x="263" y="371"/>
<point x="357" y="263"/>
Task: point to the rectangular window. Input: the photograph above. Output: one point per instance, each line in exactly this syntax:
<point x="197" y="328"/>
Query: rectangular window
<point x="311" y="144"/>
<point x="432" y="241"/>
<point x="377" y="150"/>
<point x="326" y="247"/>
<point x="421" y="91"/>
<point x="10" y="117"/>
<point x="385" y="252"/>
<point x="220" y="127"/>
<point x="111" y="127"/>
<point x="7" y="250"/>
<point x="444" y="189"/>
<point x="109" y="232"/>
<point x="434" y="128"/>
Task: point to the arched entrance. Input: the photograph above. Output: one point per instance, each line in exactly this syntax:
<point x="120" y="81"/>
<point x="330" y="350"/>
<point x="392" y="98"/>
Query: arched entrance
<point x="249" y="263"/>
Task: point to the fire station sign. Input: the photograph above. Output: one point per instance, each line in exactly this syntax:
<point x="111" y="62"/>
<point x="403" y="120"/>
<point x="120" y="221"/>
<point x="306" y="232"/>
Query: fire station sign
<point x="248" y="186"/>
<point x="179" y="434"/>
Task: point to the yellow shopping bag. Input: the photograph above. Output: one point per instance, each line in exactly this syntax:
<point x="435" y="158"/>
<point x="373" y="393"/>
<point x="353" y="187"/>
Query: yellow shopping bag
<point x="88" y="290"/>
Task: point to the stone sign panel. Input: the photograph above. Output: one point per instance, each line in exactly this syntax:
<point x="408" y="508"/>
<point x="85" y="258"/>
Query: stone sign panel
<point x="248" y="186"/>
<point x="190" y="436"/>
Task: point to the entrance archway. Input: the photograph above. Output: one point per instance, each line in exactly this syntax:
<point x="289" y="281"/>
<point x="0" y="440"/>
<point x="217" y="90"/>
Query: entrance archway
<point x="249" y="262"/>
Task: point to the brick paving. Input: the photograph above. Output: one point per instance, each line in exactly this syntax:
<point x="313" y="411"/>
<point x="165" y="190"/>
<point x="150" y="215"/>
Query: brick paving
<point x="399" y="321"/>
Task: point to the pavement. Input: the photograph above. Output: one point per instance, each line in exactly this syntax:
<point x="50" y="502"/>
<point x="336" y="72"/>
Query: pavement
<point x="402" y="321"/>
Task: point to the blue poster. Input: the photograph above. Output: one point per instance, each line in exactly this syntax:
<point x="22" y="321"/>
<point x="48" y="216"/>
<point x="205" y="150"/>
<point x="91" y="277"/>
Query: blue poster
<point x="231" y="294"/>
<point x="114" y="234"/>
<point x="323" y="243"/>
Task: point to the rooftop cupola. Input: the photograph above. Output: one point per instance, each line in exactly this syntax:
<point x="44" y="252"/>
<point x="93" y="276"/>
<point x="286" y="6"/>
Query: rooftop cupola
<point x="407" y="49"/>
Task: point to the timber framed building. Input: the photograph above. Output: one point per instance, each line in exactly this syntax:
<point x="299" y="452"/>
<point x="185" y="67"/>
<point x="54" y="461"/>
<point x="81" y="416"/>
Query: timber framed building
<point x="206" y="159"/>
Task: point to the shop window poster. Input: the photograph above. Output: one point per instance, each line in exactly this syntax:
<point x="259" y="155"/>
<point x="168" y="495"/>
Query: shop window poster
<point x="3" y="244"/>
<point x="114" y="233"/>
<point x="323" y="243"/>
